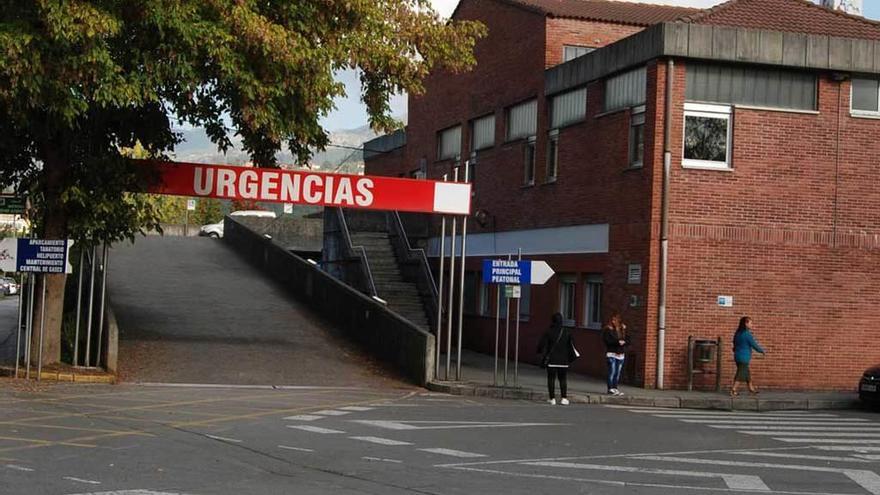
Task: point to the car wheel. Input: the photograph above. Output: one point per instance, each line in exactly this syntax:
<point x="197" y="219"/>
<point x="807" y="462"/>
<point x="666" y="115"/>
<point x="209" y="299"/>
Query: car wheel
<point x="214" y="235"/>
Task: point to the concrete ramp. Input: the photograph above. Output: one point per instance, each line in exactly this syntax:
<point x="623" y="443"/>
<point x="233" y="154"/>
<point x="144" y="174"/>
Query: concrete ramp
<point x="190" y="310"/>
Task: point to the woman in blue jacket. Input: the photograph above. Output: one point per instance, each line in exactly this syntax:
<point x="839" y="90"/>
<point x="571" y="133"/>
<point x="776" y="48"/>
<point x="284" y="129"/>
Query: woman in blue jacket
<point x="743" y="343"/>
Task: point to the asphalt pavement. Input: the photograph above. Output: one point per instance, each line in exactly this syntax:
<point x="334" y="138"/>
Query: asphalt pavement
<point x="147" y="440"/>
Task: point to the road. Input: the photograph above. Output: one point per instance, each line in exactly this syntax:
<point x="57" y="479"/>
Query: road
<point x="192" y="310"/>
<point x="133" y="439"/>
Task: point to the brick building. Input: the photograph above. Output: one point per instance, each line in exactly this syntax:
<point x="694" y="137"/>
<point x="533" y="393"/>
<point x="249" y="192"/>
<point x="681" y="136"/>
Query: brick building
<point x="766" y="114"/>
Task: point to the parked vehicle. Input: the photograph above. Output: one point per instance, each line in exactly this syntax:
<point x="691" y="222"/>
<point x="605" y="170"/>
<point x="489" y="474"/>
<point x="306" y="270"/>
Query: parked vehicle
<point x="215" y="230"/>
<point x="869" y="385"/>
<point x="9" y="286"/>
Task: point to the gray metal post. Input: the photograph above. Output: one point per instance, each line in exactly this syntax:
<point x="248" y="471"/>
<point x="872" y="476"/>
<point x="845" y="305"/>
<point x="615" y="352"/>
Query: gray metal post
<point x="79" y="291"/>
<point x="186" y="220"/>
<point x="440" y="294"/>
<point x="88" y="359"/>
<point x="516" y="331"/>
<point x="464" y="220"/>
<point x="497" y="330"/>
<point x="30" y="326"/>
<point x="18" y="328"/>
<point x="451" y="290"/>
<point x="42" y="331"/>
<point x="105" y="260"/>
<point x="506" y="335"/>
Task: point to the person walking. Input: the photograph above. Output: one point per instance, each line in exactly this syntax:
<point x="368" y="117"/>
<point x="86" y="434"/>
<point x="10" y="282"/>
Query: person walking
<point x="557" y="349"/>
<point x="616" y="341"/>
<point x="743" y="344"/>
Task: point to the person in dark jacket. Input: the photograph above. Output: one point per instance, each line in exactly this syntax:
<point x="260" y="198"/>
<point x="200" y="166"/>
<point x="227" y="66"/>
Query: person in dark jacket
<point x="616" y="341"/>
<point x="743" y="344"/>
<point x="557" y="350"/>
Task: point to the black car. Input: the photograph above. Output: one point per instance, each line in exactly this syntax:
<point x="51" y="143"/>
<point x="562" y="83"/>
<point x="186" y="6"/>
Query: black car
<point x="869" y="386"/>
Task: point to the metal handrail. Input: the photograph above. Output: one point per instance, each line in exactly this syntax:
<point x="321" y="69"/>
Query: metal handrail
<point x="358" y="251"/>
<point x="418" y="254"/>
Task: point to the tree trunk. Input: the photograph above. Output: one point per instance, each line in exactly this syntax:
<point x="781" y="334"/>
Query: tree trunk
<point x="55" y="168"/>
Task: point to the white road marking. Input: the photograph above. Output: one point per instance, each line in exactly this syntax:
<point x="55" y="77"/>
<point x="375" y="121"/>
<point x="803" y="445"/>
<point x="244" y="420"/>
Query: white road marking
<point x="332" y="412"/>
<point x="833" y="434"/>
<point x="733" y="481"/>
<point x="780" y="422"/>
<point x="798" y="428"/>
<point x="380" y="441"/>
<point x="80" y="480"/>
<point x="130" y="492"/>
<point x="381" y="459"/>
<point x="356" y="408"/>
<point x="223" y="439"/>
<point x="18" y="468"/>
<point x="704" y="412"/>
<point x="445" y="425"/>
<point x="830" y="440"/>
<point x="868" y="480"/>
<point x="452" y="452"/>
<point x="787" y="455"/>
<point x="298" y="449"/>
<point x="303" y="417"/>
<point x="314" y="429"/>
<point x="849" y="448"/>
<point x="762" y="417"/>
<point x="868" y="457"/>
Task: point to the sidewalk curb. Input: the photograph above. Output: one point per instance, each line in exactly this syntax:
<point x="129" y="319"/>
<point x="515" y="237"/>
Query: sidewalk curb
<point x="61" y="376"/>
<point x="671" y="401"/>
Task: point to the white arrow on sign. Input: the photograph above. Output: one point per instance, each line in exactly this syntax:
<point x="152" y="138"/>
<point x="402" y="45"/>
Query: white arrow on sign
<point x="541" y="272"/>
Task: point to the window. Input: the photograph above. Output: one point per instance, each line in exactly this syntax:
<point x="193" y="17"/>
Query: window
<point x="553" y="156"/>
<point x="755" y="86"/>
<point x="571" y="52"/>
<point x="525" y="297"/>
<point x="567" y="298"/>
<point x="865" y="96"/>
<point x="470" y="291"/>
<point x="483" y="133"/>
<point x="707" y="135"/>
<point x="626" y="90"/>
<point x="568" y="108"/>
<point x="529" y="168"/>
<point x="522" y="120"/>
<point x="484" y="297"/>
<point x="637" y="137"/>
<point x="449" y="143"/>
<point x="593" y="302"/>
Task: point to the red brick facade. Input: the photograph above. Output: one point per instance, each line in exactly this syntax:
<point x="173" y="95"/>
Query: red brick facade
<point x="791" y="231"/>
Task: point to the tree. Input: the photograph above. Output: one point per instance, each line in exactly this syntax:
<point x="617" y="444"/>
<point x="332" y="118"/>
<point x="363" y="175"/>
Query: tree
<point x="81" y="80"/>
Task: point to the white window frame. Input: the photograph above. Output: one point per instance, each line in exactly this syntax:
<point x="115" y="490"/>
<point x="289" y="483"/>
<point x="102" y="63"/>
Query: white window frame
<point x="576" y="48"/>
<point x="860" y="112"/>
<point x="564" y="282"/>
<point x="591" y="284"/>
<point x="637" y="118"/>
<point x="529" y="150"/>
<point x="552" y="157"/>
<point x="712" y="112"/>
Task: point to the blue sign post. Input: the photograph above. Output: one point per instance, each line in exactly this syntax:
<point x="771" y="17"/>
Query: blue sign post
<point x="507" y="272"/>
<point x="41" y="255"/>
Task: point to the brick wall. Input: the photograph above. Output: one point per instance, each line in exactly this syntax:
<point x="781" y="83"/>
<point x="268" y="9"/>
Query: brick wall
<point x="579" y="32"/>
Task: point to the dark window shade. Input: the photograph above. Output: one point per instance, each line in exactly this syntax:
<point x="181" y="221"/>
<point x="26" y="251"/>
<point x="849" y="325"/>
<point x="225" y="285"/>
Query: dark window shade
<point x="865" y="95"/>
<point x="751" y="86"/>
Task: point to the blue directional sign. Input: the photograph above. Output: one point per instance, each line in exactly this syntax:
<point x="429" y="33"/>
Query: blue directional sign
<point x="41" y="255"/>
<point x="507" y="272"/>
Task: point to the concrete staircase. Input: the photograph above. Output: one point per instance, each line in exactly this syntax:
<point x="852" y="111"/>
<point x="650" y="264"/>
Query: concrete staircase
<point x="403" y="297"/>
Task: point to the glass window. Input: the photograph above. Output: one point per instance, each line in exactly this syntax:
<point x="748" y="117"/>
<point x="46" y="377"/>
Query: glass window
<point x="484" y="296"/>
<point x="593" y="302"/>
<point x="568" y="298"/>
<point x="568" y="108"/>
<point x="865" y="95"/>
<point x="626" y="90"/>
<point x="483" y="132"/>
<point x="449" y="143"/>
<point x="637" y="137"/>
<point x="707" y="133"/>
<point x="552" y="156"/>
<point x="522" y="120"/>
<point x="529" y="168"/>
<point x="571" y="52"/>
<point x="470" y="292"/>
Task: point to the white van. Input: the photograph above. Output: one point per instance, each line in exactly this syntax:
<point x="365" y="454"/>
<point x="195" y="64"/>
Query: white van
<point x="215" y="230"/>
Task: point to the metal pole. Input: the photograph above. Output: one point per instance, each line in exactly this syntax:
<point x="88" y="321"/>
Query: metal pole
<point x="440" y="294"/>
<point x="516" y="332"/>
<point x="186" y="220"/>
<point x="30" y="326"/>
<point x="497" y="330"/>
<point x="42" y="331"/>
<point x="94" y="258"/>
<point x="18" y="328"/>
<point x="506" y="334"/>
<point x="82" y="266"/>
<point x="464" y="220"/>
<point x="105" y="260"/>
<point x="451" y="289"/>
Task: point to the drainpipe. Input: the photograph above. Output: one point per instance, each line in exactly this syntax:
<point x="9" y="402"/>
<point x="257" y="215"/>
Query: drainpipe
<point x="664" y="222"/>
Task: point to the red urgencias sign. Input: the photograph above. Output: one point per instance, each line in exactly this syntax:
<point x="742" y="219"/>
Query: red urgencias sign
<point x="313" y="188"/>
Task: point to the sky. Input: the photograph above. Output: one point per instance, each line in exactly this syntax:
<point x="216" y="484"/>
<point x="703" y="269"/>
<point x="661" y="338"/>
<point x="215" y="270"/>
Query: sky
<point x="350" y="112"/>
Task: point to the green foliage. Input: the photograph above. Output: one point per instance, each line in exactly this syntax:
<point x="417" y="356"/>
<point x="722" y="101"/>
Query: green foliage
<point x="82" y="81"/>
<point x="208" y="210"/>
